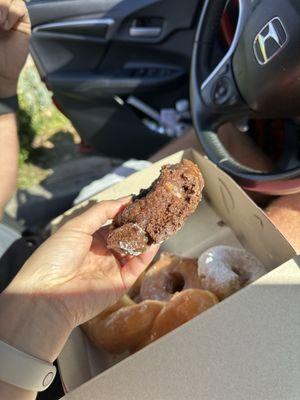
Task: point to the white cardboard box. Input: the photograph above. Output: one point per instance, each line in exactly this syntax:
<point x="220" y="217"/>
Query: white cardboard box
<point x="245" y="348"/>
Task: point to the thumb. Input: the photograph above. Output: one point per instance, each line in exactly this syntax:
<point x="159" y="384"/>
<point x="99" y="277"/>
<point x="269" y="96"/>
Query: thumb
<point x="91" y="220"/>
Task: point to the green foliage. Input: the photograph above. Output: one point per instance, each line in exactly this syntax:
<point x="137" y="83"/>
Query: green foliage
<point x="38" y="121"/>
<point x="38" y="118"/>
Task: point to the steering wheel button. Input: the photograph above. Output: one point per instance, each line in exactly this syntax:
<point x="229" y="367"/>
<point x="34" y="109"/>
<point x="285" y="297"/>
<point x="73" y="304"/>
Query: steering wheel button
<point x="221" y="91"/>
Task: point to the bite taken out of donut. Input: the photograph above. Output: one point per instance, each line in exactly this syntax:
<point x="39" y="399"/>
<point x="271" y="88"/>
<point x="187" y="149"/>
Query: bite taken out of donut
<point x="159" y="211"/>
<point x="168" y="275"/>
<point x="225" y="269"/>
<point x="123" y="326"/>
<point x="183" y="307"/>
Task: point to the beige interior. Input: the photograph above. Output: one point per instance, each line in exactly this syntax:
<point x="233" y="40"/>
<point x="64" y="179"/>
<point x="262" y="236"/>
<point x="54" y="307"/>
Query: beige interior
<point x="230" y="344"/>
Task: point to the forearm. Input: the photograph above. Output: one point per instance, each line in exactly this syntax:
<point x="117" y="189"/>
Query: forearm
<point x="9" y="329"/>
<point x="9" y="392"/>
<point x="31" y="324"/>
<point x="9" y="153"/>
<point x="243" y="149"/>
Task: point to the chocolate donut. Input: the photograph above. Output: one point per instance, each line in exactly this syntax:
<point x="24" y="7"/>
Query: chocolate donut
<point x="159" y="211"/>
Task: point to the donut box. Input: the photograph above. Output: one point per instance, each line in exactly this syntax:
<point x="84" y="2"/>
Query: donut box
<point x="245" y="347"/>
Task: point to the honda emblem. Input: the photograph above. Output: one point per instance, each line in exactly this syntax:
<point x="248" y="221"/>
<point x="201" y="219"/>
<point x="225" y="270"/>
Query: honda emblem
<point x="269" y="41"/>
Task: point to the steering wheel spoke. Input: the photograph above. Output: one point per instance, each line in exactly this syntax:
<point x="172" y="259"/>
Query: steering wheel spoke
<point x="220" y="94"/>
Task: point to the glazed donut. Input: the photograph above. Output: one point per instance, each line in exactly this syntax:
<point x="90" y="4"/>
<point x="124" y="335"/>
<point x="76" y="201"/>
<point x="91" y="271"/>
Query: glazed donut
<point x="122" y="328"/>
<point x="170" y="274"/>
<point x="224" y="270"/>
<point x="159" y="211"/>
<point x="284" y="212"/>
<point x="180" y="309"/>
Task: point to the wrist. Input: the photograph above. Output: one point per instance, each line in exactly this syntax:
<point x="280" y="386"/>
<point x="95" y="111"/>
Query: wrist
<point x="32" y="324"/>
<point x="8" y="87"/>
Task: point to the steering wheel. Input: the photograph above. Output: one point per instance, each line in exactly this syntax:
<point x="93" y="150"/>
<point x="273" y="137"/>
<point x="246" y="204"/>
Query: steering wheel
<point x="259" y="77"/>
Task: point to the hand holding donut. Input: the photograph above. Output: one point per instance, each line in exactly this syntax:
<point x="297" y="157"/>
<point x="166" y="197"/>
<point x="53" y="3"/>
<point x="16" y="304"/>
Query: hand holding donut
<point x="70" y="279"/>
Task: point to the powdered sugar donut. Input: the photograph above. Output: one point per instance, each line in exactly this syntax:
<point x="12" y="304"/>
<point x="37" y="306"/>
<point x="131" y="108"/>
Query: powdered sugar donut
<point x="225" y="269"/>
<point x="170" y="274"/>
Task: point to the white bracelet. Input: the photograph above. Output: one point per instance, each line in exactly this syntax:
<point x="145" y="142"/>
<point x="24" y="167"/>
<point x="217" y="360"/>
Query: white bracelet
<point x="23" y="370"/>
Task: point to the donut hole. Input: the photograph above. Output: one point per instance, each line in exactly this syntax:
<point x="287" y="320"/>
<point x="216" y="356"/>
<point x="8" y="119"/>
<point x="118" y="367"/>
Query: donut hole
<point x="175" y="283"/>
<point x="243" y="277"/>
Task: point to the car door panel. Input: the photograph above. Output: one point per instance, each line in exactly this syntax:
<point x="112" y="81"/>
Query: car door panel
<point x="90" y="52"/>
<point x="123" y="82"/>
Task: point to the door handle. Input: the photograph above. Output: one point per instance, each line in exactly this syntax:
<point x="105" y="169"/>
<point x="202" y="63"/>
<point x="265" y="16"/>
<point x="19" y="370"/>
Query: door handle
<point x="98" y="27"/>
<point x="145" y="31"/>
